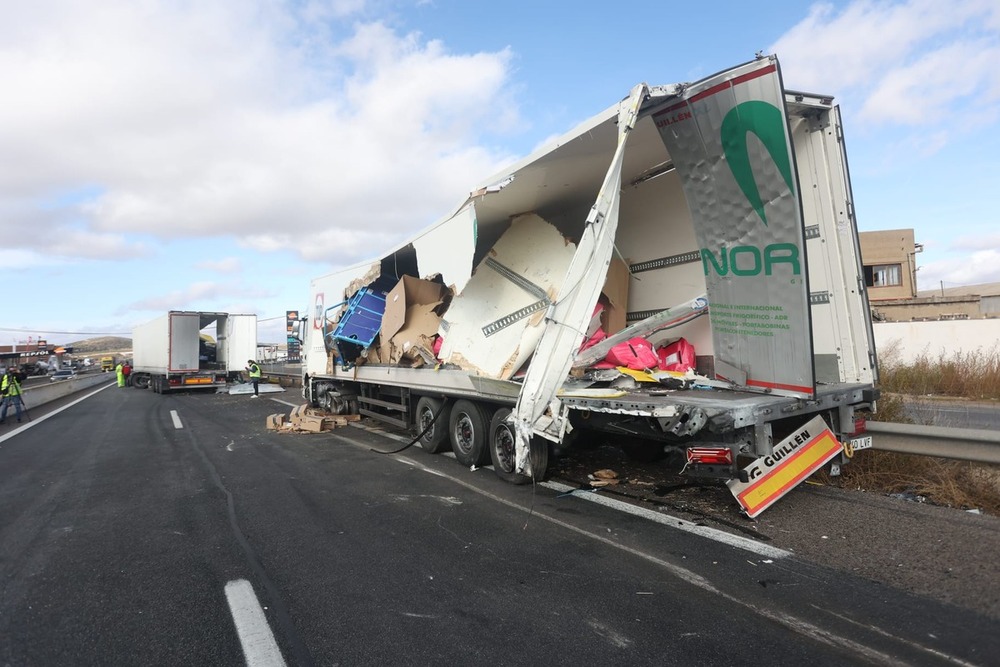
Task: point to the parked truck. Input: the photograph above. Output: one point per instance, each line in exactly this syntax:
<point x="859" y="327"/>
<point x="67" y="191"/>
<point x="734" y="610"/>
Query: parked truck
<point x="184" y="350"/>
<point x="711" y="222"/>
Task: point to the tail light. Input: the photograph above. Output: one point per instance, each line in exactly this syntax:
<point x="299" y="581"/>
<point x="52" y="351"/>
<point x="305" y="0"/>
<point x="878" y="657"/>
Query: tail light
<point x="710" y="455"/>
<point x="860" y="425"/>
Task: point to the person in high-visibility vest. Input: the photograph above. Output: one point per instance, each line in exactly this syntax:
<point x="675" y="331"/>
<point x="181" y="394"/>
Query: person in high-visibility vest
<point x="121" y="375"/>
<point x="254" y="368"/>
<point x="10" y="388"/>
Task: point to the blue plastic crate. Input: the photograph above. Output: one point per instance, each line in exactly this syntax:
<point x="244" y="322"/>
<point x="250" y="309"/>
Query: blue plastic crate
<point x="362" y="319"/>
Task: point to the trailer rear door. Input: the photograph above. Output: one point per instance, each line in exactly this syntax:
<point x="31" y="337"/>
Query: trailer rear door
<point x="729" y="140"/>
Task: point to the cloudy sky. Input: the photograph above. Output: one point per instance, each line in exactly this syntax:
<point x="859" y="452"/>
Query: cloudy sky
<point x="216" y="155"/>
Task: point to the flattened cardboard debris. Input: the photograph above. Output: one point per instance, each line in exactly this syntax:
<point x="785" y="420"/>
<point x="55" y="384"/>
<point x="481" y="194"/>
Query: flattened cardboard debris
<point x="343" y="420"/>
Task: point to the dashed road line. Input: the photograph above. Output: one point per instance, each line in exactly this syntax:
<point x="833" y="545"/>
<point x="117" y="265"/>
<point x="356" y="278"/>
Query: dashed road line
<point x="259" y="647"/>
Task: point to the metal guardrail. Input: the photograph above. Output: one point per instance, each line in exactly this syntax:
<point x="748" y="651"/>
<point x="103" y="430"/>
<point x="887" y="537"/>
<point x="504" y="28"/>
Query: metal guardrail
<point x="963" y="444"/>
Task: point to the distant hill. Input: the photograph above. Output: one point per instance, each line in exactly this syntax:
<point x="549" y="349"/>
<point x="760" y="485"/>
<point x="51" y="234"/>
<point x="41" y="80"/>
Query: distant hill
<point x="101" y="344"/>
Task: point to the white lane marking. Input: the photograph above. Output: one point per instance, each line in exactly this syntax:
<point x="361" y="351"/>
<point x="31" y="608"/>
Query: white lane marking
<point x="176" y="419"/>
<point x="737" y="541"/>
<point x="35" y="422"/>
<point x="880" y="631"/>
<point x="259" y="647"/>
<point x="288" y="403"/>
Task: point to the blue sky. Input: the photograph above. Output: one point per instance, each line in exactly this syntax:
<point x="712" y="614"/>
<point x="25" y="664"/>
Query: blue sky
<point x="217" y="155"/>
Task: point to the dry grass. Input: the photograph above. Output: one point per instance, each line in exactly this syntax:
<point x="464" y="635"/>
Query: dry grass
<point x="971" y="375"/>
<point x="957" y="484"/>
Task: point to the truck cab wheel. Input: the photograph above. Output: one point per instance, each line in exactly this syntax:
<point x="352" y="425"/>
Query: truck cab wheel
<point x="503" y="454"/>
<point x="429" y="410"/>
<point x="467" y="432"/>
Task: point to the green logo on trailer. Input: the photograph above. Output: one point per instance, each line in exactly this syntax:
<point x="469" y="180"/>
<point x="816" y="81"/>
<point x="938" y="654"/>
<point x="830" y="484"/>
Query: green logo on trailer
<point x="765" y="121"/>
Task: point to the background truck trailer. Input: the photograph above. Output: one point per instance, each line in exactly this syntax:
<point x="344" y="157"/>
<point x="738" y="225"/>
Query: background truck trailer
<point x="718" y="213"/>
<point x="184" y="350"/>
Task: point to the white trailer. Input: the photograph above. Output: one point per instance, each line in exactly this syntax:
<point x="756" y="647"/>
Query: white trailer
<point x="185" y="349"/>
<point x="719" y="212"/>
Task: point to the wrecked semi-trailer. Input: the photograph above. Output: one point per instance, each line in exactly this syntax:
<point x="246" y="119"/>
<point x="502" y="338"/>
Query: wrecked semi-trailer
<point x="711" y="223"/>
<point x="192" y="349"/>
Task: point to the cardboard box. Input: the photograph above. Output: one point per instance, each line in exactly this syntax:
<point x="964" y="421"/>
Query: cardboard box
<point x="312" y="424"/>
<point x="615" y="290"/>
<point x="416" y="339"/>
<point x="412" y="314"/>
<point x="276" y="422"/>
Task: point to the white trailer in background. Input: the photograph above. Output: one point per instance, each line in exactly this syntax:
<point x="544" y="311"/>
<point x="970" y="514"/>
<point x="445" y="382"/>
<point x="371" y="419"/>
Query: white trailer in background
<point x="185" y="349"/>
<point x="719" y="212"/>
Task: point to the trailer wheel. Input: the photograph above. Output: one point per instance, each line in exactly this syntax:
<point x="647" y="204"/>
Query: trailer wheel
<point x="502" y="451"/>
<point x="434" y="410"/>
<point x="467" y="431"/>
<point x="140" y="381"/>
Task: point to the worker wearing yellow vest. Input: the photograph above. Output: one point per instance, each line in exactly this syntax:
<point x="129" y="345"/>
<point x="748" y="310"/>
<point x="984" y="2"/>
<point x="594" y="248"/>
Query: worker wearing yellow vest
<point x="254" y="368"/>
<point x="10" y="387"/>
<point x="121" y="375"/>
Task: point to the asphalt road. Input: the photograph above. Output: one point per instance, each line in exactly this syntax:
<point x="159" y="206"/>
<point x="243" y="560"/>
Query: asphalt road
<point x="144" y="529"/>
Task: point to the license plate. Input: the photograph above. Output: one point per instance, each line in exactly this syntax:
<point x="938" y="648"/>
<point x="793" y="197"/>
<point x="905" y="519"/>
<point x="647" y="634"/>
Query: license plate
<point x="860" y="443"/>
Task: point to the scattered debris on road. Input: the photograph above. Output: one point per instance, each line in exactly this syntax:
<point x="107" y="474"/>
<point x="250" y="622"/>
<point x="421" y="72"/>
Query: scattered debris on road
<point x="304" y="419"/>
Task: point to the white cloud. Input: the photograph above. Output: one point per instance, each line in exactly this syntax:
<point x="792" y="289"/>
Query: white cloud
<point x="191" y="296"/>
<point x="986" y="241"/>
<point x="917" y="62"/>
<point x="17" y="259"/>
<point x="246" y="119"/>
<point x="224" y="265"/>
<point x="917" y="79"/>
<point x="980" y="267"/>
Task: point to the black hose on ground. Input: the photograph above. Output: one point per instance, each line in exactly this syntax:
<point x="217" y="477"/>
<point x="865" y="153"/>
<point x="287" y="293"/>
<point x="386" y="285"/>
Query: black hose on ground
<point x="414" y="441"/>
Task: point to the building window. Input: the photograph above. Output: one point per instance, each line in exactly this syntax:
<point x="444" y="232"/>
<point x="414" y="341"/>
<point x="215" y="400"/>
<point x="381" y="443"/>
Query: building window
<point x="883" y="275"/>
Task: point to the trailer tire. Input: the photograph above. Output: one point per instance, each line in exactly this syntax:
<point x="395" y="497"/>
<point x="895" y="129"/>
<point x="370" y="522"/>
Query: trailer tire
<point x="140" y="380"/>
<point x="502" y="451"/>
<point x="467" y="432"/>
<point x="435" y="440"/>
